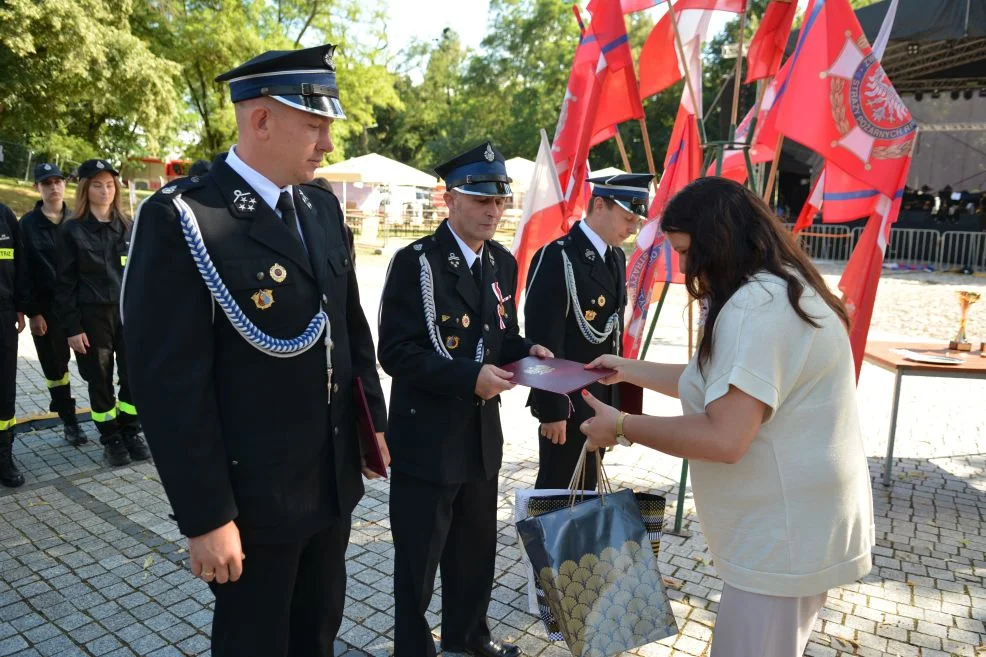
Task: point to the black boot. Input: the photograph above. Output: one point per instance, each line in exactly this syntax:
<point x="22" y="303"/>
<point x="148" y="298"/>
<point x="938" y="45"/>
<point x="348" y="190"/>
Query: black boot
<point x="75" y="435"/>
<point x="10" y="476"/>
<point x="137" y="447"/>
<point x="63" y="403"/>
<point x="114" y="451"/>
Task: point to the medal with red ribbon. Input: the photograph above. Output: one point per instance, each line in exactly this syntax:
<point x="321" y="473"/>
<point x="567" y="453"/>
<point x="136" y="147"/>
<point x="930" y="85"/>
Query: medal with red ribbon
<point x="501" y="310"/>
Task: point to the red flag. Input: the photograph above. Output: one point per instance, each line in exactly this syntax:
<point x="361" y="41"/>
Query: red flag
<point x="575" y="107"/>
<point x="811" y="206"/>
<point x="619" y="97"/>
<point x="543" y="218"/>
<point x="767" y="46"/>
<point x="861" y="276"/>
<point x="845" y="198"/>
<point x="631" y="6"/>
<point x="843" y="106"/>
<point x="660" y="66"/>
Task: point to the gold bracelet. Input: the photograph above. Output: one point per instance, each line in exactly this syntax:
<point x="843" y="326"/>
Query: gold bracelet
<point x="620" y="436"/>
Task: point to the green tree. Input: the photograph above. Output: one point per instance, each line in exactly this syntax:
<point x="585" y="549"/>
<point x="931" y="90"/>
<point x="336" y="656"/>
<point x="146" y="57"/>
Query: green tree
<point x="76" y="74"/>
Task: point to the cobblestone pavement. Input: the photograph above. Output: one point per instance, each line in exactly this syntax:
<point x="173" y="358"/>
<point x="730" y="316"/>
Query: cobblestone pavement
<point x="90" y="563"/>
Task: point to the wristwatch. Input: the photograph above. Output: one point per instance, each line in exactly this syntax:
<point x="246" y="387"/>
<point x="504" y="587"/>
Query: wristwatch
<point x="620" y="437"/>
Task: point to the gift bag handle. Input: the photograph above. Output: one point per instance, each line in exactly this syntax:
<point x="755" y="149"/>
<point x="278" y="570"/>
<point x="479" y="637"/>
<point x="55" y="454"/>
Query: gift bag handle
<point x="576" y="485"/>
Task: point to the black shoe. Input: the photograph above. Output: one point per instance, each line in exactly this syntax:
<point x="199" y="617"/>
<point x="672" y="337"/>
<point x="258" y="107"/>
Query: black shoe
<point x="115" y="452"/>
<point x="137" y="447"/>
<point x="75" y="435"/>
<point x="10" y="476"/>
<point x="489" y="648"/>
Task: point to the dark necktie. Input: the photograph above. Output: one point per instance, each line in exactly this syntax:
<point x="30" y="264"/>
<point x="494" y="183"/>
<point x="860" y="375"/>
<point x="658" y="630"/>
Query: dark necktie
<point x="286" y="205"/>
<point x="613" y="264"/>
<point x="477" y="272"/>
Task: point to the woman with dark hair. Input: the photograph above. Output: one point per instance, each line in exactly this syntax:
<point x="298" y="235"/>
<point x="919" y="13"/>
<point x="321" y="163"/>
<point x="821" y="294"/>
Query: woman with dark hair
<point x="769" y="421"/>
<point x="92" y="252"/>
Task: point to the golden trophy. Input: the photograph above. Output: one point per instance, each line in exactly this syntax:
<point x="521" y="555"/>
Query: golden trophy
<point x="966" y="299"/>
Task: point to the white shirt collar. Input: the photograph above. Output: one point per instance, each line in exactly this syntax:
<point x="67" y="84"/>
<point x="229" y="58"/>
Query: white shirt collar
<point x="467" y="253"/>
<point x="265" y="189"/>
<point x="598" y="242"/>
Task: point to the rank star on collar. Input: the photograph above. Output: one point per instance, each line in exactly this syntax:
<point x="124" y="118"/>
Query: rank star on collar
<point x="304" y="199"/>
<point x="591" y="255"/>
<point x="244" y="201"/>
<point x="454" y="259"/>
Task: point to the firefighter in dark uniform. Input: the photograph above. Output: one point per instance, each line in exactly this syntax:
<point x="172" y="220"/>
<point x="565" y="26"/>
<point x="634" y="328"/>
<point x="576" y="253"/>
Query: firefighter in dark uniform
<point x="574" y="304"/>
<point x="40" y="228"/>
<point x="447" y="320"/>
<point x="91" y="254"/>
<point x="243" y="321"/>
<point x="13" y="297"/>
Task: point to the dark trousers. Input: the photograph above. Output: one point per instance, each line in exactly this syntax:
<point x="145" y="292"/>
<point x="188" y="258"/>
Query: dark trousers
<point x="105" y="332"/>
<point x="452" y="526"/>
<point x="289" y="601"/>
<point x="8" y="367"/>
<point x="556" y="463"/>
<point x="54" y="354"/>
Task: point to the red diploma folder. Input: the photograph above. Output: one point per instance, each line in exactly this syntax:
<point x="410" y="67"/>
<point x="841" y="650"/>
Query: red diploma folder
<point x="554" y="374"/>
<point x="367" y="434"/>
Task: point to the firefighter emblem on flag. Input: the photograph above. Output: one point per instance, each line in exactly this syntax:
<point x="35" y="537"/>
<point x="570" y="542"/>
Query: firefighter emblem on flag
<point x="866" y="109"/>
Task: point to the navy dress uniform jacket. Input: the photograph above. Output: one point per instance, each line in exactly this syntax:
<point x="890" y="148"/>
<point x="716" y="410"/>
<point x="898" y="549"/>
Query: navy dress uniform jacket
<point x="439" y="430"/>
<point x="550" y="320"/>
<point x="235" y="433"/>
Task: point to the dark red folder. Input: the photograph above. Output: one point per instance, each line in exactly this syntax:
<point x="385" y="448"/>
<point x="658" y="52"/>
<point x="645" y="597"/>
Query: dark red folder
<point x="554" y="374"/>
<point x="367" y="434"/>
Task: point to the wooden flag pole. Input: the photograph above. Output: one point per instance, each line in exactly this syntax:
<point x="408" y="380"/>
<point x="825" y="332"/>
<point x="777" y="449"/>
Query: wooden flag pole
<point x="739" y="71"/>
<point x="647" y="150"/>
<point x="688" y="75"/>
<point x="773" y="169"/>
<point x="623" y="150"/>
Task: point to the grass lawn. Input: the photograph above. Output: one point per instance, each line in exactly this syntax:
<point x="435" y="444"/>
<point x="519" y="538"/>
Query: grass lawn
<point x="20" y="196"/>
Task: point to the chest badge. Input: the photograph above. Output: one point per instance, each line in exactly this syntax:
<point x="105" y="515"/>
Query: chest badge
<point x="263" y="299"/>
<point x="452" y="342"/>
<point x="466" y="321"/>
<point x="590" y="315"/>
<point x="601" y="301"/>
<point x="278" y="273"/>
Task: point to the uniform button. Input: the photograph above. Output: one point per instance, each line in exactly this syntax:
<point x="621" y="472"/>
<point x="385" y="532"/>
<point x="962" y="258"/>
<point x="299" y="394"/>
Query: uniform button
<point x="335" y="387"/>
<point x="325" y="298"/>
<point x="260" y="275"/>
<point x="346" y="262"/>
<point x="486" y="327"/>
<point x="413" y="412"/>
<point x="482" y="402"/>
<point x="235" y="463"/>
<point x="335" y="430"/>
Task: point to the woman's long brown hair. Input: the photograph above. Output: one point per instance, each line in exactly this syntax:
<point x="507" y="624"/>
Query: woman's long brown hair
<point x="734" y="235"/>
<point x="81" y="208"/>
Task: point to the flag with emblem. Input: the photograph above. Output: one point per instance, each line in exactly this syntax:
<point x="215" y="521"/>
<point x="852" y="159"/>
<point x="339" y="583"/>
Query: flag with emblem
<point x="763" y="59"/>
<point x="543" y="218"/>
<point x="811" y="207"/>
<point x="660" y="65"/>
<point x="843" y="106"/>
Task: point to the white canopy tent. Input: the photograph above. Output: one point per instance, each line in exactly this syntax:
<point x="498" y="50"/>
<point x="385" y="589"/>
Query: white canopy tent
<point x="358" y="180"/>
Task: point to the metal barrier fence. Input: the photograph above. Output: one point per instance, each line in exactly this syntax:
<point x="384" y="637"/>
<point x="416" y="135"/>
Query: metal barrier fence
<point x="910" y="248"/>
<point x="827" y="242"/>
<point x="962" y="251"/>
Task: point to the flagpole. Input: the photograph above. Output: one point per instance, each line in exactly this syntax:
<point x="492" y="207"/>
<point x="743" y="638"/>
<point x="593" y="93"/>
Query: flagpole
<point x="679" y="511"/>
<point x="647" y="149"/>
<point x="773" y="169"/>
<point x="739" y="72"/>
<point x="623" y="150"/>
<point x="688" y="75"/>
<point x="653" y="323"/>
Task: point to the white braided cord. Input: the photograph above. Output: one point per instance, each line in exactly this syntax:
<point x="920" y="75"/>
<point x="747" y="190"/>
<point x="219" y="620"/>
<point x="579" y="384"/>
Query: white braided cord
<point x="277" y="347"/>
<point x="589" y="332"/>
<point x="427" y="283"/>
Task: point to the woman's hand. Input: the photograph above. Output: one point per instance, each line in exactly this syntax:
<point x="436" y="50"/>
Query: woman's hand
<point x="600" y="431"/>
<point x="612" y="362"/>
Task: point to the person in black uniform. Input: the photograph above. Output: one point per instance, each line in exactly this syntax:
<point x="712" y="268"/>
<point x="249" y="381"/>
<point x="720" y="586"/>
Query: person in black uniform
<point x="40" y="227"/>
<point x="91" y="254"/>
<point x="575" y="300"/>
<point x="447" y="320"/>
<point x="13" y="296"/>
<point x="247" y="338"/>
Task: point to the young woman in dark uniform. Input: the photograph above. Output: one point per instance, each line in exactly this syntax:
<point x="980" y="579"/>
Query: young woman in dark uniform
<point x="92" y="252"/>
